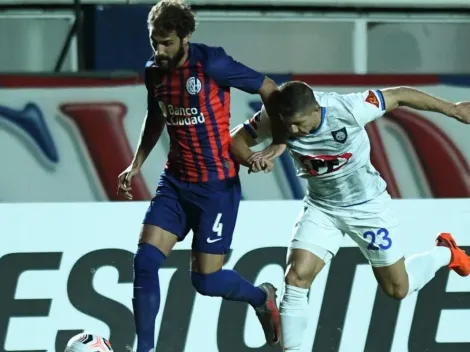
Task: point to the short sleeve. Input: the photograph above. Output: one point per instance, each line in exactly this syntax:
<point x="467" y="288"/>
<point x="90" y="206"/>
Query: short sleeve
<point x="367" y="106"/>
<point x="229" y="73"/>
<point x="259" y="126"/>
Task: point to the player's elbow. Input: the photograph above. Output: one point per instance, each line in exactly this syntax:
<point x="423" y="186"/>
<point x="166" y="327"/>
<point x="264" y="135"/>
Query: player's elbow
<point x="268" y="90"/>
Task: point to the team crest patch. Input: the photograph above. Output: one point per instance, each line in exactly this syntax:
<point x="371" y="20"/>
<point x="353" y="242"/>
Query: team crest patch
<point x="340" y="135"/>
<point x="372" y="99"/>
<point x="193" y="85"/>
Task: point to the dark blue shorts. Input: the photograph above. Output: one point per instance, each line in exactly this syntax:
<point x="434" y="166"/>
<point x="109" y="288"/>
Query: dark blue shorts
<point x="209" y="209"/>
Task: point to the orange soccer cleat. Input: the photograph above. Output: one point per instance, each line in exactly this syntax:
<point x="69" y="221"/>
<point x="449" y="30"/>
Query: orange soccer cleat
<point x="460" y="261"/>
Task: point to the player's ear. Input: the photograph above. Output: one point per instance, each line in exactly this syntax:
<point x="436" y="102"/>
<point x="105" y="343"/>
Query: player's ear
<point x="186" y="39"/>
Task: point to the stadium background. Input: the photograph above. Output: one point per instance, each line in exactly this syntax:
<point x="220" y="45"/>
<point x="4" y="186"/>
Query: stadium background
<point x="71" y="106"/>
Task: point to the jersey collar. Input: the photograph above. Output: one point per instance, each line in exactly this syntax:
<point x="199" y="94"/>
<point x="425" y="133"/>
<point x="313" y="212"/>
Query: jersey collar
<point x="322" y="120"/>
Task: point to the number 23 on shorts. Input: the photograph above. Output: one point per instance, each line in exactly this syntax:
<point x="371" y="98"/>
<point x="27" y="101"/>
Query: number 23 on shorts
<point x="374" y="239"/>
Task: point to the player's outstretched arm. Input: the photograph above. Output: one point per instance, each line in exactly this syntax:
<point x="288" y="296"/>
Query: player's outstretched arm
<point x="419" y="100"/>
<point x="228" y="72"/>
<point x="150" y="133"/>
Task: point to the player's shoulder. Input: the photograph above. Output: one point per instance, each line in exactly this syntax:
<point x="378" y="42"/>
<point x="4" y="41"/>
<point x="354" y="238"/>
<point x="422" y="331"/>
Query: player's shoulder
<point x="332" y="98"/>
<point x="150" y="62"/>
<point x="151" y="65"/>
<point x="343" y="102"/>
<point x="206" y="52"/>
<point x="152" y="73"/>
<point x="334" y="102"/>
<point x="211" y="58"/>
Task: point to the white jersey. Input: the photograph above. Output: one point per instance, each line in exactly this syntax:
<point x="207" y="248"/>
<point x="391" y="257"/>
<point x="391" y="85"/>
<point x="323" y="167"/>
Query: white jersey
<point x="335" y="158"/>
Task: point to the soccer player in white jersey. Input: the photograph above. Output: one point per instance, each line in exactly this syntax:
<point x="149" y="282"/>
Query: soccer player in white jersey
<point x="346" y="195"/>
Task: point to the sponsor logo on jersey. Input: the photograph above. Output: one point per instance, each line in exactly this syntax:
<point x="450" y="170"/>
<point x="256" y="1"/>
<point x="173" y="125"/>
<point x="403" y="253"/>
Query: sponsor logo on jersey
<point x="324" y="164"/>
<point x="372" y="99"/>
<point x="181" y="116"/>
<point x="340" y="135"/>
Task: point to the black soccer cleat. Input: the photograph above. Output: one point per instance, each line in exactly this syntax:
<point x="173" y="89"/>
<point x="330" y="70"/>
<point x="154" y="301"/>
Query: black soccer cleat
<point x="268" y="315"/>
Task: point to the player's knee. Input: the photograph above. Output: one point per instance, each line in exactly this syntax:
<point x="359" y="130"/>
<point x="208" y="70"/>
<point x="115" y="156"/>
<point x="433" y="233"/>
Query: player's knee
<point x="396" y="291"/>
<point x="158" y="237"/>
<point x="204" y="283"/>
<point x="300" y="276"/>
<point x="148" y="259"/>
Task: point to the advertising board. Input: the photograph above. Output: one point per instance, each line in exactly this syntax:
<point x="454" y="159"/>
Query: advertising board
<point x="69" y="139"/>
<point x="69" y="268"/>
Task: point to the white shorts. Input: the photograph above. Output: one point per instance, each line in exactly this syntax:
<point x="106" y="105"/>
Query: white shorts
<point x="372" y="225"/>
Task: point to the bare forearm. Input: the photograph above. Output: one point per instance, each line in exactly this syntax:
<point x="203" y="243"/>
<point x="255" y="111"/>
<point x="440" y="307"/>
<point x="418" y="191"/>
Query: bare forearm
<point x="151" y="131"/>
<point x="243" y="159"/>
<point x="416" y="99"/>
<point x="240" y="147"/>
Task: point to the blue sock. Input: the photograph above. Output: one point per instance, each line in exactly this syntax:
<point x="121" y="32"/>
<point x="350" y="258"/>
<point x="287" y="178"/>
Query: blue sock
<point x="229" y="285"/>
<point x="146" y="302"/>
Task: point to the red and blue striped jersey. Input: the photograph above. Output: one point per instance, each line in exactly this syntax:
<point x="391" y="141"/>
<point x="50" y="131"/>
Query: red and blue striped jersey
<point x="195" y="101"/>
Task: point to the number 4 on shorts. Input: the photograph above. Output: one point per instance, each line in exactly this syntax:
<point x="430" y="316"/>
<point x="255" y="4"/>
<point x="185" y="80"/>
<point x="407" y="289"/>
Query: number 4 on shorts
<point x="217" y="227"/>
<point x="383" y="245"/>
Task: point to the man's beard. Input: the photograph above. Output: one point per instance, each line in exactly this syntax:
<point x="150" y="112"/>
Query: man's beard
<point x="171" y="63"/>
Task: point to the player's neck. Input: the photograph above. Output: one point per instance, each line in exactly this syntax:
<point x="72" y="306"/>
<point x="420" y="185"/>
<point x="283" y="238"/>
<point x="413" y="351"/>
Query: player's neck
<point x="185" y="56"/>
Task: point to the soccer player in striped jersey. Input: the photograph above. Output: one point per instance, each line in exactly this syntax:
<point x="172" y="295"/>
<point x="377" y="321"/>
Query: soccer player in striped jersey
<point x="188" y="86"/>
<point x="346" y="195"/>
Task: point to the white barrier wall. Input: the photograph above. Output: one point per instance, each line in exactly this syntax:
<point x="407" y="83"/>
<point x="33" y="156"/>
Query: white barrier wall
<point x="68" y="267"/>
<point x="67" y="140"/>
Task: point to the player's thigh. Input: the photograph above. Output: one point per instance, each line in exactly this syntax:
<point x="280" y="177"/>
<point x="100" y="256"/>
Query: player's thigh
<point x="165" y="221"/>
<point x="316" y="238"/>
<point x="377" y="232"/>
<point x="376" y="229"/>
<point x="378" y="242"/>
<point x="380" y="245"/>
<point x="214" y="211"/>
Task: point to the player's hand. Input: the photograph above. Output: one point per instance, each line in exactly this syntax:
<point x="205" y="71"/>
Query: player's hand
<point x="269" y="153"/>
<point x="124" y="181"/>
<point x="461" y="112"/>
<point x="261" y="165"/>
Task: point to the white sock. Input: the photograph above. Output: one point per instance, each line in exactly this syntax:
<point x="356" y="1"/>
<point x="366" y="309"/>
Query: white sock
<point x="294" y="317"/>
<point x="421" y="268"/>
